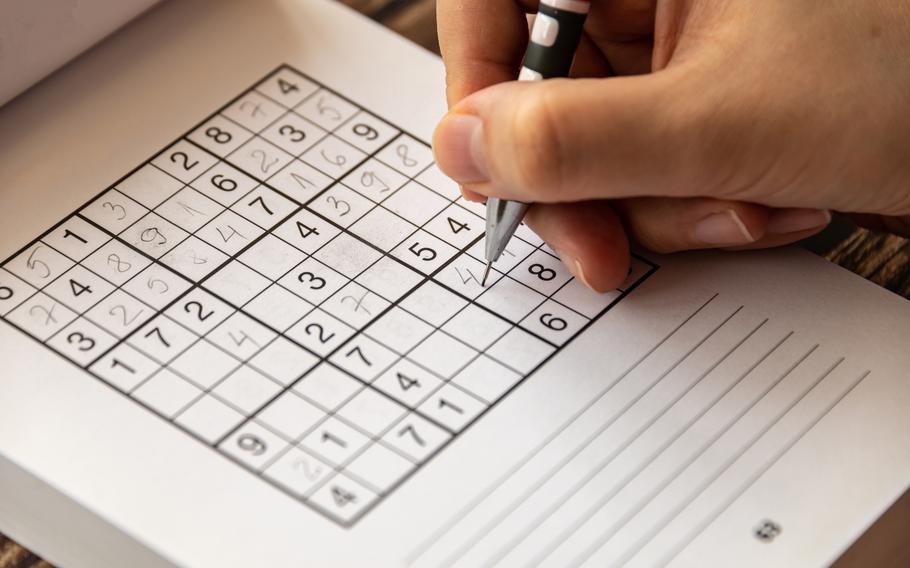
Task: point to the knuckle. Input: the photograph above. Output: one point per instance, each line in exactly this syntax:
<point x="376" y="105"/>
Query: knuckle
<point x="536" y="164"/>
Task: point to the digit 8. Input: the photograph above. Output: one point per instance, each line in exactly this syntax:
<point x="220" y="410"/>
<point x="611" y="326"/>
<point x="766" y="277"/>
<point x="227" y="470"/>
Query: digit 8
<point x="218" y="135"/>
<point x="545" y="274"/>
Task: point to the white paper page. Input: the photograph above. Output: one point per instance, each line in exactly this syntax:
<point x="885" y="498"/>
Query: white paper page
<point x="252" y="336"/>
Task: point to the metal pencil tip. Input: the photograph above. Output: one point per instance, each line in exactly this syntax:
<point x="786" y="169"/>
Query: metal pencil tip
<point x="486" y="273"/>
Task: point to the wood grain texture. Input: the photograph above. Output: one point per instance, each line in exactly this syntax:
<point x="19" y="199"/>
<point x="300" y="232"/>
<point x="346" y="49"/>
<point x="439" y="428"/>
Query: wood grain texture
<point x="883" y="259"/>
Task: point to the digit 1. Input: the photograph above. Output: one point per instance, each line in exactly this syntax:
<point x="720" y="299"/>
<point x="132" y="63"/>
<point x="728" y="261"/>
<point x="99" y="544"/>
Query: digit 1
<point x="68" y="233"/>
<point x="444" y="403"/>
<point x="118" y="363"/>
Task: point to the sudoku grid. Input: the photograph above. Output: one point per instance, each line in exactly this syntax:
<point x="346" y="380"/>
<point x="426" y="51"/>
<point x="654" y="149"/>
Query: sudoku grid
<point x="295" y="283"/>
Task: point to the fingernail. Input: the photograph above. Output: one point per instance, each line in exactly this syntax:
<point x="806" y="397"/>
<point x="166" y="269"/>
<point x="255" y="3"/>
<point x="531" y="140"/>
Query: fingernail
<point x="575" y="267"/>
<point x="722" y="229"/>
<point x="786" y="221"/>
<point x="458" y="146"/>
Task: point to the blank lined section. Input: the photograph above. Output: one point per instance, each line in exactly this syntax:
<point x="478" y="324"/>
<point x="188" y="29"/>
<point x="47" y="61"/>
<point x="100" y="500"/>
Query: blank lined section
<point x="561" y="499"/>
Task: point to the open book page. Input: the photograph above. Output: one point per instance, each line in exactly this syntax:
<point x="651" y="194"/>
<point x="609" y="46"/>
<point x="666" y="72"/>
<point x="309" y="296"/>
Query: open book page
<point x="242" y="325"/>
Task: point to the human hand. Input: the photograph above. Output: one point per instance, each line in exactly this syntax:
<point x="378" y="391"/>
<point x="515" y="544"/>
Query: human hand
<point x="690" y="123"/>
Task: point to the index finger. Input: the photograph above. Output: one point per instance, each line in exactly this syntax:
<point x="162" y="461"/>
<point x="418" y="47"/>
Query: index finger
<point x="482" y="42"/>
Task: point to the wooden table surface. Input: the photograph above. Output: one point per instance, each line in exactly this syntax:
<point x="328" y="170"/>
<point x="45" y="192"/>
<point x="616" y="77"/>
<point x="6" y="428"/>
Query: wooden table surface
<point x="881" y="258"/>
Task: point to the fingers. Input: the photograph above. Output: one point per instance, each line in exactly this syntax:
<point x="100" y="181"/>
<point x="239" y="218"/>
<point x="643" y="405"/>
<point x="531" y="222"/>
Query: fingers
<point x="589" y="239"/>
<point x="482" y="43"/>
<point x="573" y="140"/>
<point x="671" y="225"/>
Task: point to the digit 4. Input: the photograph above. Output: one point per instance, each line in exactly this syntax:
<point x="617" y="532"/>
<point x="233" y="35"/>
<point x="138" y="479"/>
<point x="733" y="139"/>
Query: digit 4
<point x="457" y="226"/>
<point x="306" y="231"/>
<point x="287" y="87"/>
<point x="79" y="289"/>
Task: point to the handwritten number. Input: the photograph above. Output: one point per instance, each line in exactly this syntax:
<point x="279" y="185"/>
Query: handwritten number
<point x="264" y="163"/>
<point x="115" y="208"/>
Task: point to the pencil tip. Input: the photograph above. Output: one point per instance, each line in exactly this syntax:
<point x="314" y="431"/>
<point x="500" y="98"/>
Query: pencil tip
<point x="485" y="274"/>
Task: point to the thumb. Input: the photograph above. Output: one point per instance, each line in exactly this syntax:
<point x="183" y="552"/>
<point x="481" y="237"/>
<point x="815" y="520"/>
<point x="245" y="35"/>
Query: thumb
<point x="572" y="140"/>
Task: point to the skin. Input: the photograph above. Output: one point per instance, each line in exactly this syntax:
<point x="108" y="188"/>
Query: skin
<point x="688" y="124"/>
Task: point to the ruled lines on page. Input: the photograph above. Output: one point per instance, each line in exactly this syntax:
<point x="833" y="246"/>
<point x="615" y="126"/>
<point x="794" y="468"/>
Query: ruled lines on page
<point x="661" y="450"/>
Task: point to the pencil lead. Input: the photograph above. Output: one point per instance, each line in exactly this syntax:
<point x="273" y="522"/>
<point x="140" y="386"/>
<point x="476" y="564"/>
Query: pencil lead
<point x="486" y="273"/>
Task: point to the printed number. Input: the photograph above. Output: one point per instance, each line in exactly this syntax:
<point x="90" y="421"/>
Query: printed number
<point x="287" y="87"/>
<point x="292" y="133"/>
<point x="118" y="363"/>
<point x="5" y="293"/>
<point x="252" y="444"/>
<point x="306" y="231"/>
<point x="33" y="263"/>
<point x="342" y="496"/>
<point x="329" y="437"/>
<point x="262" y="203"/>
<point x="82" y="342"/>
<point x="224" y="183"/>
<point x="545" y="274"/>
<point x="115" y="208"/>
<point x="339" y="205"/>
<point x="320" y="332"/>
<point x="367" y="179"/>
<point x="423" y="253"/>
<point x="443" y="403"/>
<point x="553" y="322"/>
<point x="366" y="131"/>
<point x="264" y="164"/>
<point x="67" y="233"/>
<point x="79" y="289"/>
<point x="190" y="306"/>
<point x="409" y="429"/>
<point x="156" y="331"/>
<point x="360" y="354"/>
<point x="457" y="226"/>
<point x="316" y="282"/>
<point x="407" y="382"/>
<point x="218" y="135"/>
<point x="123" y="314"/>
<point x="184" y="160"/>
